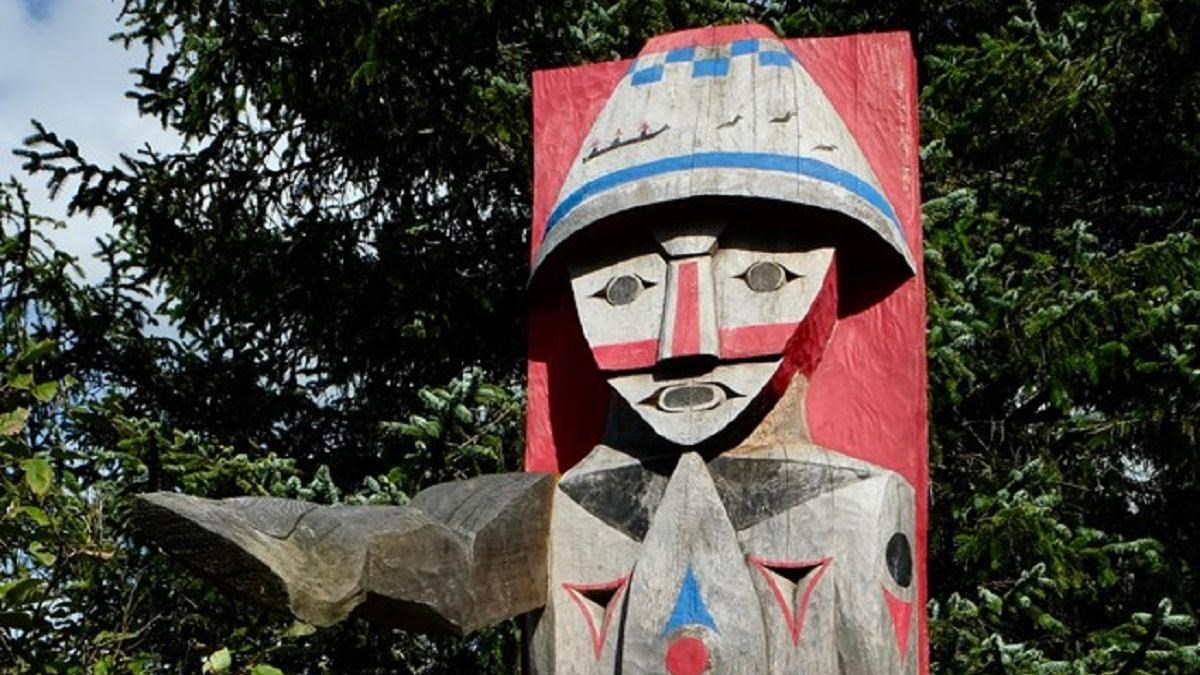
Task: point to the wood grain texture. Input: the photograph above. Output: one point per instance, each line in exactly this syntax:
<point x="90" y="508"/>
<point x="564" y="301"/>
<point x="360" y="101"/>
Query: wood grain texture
<point x="692" y="580"/>
<point x="461" y="556"/>
<point x="848" y="628"/>
<point x="793" y="555"/>
<point x="581" y="634"/>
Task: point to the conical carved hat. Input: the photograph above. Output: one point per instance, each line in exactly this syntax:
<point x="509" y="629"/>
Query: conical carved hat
<point x="701" y="115"/>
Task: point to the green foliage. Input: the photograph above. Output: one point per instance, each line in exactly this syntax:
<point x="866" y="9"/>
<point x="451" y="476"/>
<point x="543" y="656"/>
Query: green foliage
<point x="77" y="595"/>
<point x="339" y="250"/>
<point x="1047" y="592"/>
<point x="1062" y="267"/>
<point x="351" y="209"/>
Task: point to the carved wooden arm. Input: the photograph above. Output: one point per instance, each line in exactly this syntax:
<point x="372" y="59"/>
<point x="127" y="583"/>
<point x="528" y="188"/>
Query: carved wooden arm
<point x="460" y="556"/>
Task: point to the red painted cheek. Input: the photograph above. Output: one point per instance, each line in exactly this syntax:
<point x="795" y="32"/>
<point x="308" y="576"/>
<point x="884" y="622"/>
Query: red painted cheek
<point x="763" y="340"/>
<point x="801" y="342"/>
<point x="626" y="355"/>
<point x="737" y="343"/>
<point x="687" y="656"/>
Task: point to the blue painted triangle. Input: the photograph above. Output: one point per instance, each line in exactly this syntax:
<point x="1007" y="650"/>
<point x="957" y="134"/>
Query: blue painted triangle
<point x="689" y="607"/>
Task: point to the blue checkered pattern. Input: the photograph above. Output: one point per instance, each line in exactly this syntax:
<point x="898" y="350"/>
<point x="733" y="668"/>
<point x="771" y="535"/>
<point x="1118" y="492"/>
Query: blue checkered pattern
<point x="711" y="61"/>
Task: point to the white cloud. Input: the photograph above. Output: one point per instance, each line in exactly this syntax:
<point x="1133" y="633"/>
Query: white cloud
<point x="58" y="66"/>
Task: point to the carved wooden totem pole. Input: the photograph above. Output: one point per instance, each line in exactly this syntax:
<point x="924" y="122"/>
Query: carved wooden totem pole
<point x="726" y="464"/>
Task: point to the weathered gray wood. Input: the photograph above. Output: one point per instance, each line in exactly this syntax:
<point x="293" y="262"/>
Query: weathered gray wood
<point x="495" y="570"/>
<point x="842" y="534"/>
<point x="462" y="556"/>
<point x="590" y="564"/>
<point x="692" y="582"/>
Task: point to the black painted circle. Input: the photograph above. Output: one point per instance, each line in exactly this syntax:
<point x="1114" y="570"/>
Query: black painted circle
<point x="899" y="559"/>
<point x="622" y="290"/>
<point x="765" y="277"/>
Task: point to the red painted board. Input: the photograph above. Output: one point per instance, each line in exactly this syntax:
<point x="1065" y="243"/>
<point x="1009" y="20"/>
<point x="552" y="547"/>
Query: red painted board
<point x="868" y="396"/>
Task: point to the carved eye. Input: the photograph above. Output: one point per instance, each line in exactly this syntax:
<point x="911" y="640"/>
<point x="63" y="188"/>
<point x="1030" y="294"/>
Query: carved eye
<point x="764" y="277"/>
<point x="623" y="289"/>
<point x="899" y="559"/>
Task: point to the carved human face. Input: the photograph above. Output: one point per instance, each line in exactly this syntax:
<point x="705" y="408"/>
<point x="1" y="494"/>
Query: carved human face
<point x="698" y="323"/>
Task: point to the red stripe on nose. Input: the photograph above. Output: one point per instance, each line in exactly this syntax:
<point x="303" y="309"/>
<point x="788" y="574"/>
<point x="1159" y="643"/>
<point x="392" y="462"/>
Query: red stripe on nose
<point x="685" y="338"/>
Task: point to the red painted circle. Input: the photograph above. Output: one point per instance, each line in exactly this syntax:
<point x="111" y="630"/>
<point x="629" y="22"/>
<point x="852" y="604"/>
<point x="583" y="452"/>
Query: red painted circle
<point x="687" y="656"/>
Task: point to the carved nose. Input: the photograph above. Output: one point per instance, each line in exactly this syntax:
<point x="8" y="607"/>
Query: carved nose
<point x="689" y="327"/>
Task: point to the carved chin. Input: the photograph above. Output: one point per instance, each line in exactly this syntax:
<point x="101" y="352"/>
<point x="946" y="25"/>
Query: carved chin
<point x="689" y="411"/>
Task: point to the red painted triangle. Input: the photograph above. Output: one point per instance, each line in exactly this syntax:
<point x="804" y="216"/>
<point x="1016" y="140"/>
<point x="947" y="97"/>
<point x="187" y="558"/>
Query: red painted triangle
<point x="901" y="613"/>
<point x="794" y="608"/>
<point x="605" y="595"/>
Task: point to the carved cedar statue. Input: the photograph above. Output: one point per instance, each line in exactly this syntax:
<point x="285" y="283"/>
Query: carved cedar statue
<point x="726" y="434"/>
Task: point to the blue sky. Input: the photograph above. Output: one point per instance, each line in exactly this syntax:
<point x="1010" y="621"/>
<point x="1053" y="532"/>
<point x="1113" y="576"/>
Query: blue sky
<point x="57" y="65"/>
<point x="38" y="9"/>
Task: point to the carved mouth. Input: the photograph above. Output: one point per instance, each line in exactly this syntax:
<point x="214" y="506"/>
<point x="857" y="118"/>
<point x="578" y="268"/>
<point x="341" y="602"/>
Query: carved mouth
<point x="690" y="397"/>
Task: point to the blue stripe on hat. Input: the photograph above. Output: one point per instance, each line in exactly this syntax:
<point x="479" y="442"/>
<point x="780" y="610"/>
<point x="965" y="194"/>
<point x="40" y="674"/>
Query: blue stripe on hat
<point x="761" y="161"/>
